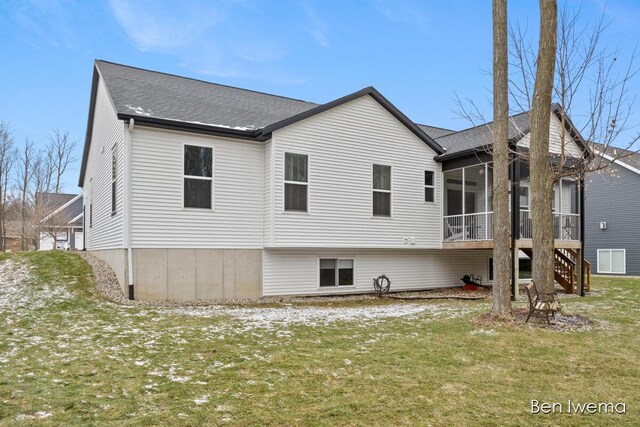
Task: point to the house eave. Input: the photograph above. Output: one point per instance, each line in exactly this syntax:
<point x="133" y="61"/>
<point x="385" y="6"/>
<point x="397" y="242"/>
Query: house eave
<point x="155" y="122"/>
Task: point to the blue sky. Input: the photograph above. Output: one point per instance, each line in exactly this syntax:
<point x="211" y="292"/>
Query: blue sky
<point x="419" y="54"/>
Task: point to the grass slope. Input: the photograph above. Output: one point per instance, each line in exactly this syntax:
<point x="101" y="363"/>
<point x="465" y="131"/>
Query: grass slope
<point x="67" y="357"/>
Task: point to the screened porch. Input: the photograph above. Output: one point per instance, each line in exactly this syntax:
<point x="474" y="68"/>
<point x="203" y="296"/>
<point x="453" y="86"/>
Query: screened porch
<point x="468" y="208"/>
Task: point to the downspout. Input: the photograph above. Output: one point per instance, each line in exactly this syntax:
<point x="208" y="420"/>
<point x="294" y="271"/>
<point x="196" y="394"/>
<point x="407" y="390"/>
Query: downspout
<point x="127" y="203"/>
<point x="581" y="193"/>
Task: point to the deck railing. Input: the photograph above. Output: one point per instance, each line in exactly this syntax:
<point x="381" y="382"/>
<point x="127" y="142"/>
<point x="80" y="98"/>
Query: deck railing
<point x="479" y="226"/>
<point x="474" y="226"/>
<point x="566" y="226"/>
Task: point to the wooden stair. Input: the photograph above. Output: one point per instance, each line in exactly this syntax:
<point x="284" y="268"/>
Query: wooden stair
<point x="565" y="271"/>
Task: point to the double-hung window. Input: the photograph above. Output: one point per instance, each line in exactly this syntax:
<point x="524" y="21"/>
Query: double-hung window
<point x="198" y="177"/>
<point x="296" y="182"/>
<point x="381" y="190"/>
<point x="429" y="187"/>
<point x="612" y="261"/>
<point x="336" y="272"/>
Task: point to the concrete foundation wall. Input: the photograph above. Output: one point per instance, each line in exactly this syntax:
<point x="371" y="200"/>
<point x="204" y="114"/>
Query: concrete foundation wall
<point x="190" y="274"/>
<point x="117" y="260"/>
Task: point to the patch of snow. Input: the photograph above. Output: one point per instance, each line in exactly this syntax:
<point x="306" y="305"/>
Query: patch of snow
<point x="195" y="122"/>
<point x="201" y="400"/>
<point x="139" y="110"/>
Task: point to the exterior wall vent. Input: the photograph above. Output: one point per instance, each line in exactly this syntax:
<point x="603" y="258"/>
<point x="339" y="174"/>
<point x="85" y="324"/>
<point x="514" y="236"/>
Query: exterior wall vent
<point x="603" y="225"/>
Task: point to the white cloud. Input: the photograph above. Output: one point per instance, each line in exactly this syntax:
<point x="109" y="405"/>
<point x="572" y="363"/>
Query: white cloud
<point x="401" y="11"/>
<point x="156" y="26"/>
<point x="315" y="26"/>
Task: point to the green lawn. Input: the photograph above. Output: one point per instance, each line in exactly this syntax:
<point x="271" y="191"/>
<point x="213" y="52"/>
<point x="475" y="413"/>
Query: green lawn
<point x="67" y="357"/>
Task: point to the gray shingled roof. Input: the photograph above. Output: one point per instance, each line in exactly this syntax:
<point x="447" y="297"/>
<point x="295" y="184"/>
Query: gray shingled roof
<point x="52" y="201"/>
<point x="145" y="93"/>
<point x="628" y="157"/>
<point x="480" y="136"/>
<point x="435" y="131"/>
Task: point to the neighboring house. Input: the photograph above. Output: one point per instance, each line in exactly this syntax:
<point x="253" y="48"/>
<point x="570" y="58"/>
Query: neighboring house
<point x="194" y="190"/>
<point x="612" y="233"/>
<point x="60" y="225"/>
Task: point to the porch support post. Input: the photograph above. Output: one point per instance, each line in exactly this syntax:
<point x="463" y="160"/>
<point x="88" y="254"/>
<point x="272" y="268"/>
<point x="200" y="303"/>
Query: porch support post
<point x="581" y="254"/>
<point x="515" y="224"/>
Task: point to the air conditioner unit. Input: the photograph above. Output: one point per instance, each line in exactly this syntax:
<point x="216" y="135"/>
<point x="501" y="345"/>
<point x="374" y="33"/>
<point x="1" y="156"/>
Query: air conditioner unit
<point x="603" y="225"/>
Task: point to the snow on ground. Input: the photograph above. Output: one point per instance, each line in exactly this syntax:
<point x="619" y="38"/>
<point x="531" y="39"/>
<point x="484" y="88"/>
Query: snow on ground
<point x="270" y="318"/>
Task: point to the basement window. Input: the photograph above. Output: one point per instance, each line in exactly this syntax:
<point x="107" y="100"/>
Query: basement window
<point x="198" y="177"/>
<point x="336" y="272"/>
<point x="612" y="261"/>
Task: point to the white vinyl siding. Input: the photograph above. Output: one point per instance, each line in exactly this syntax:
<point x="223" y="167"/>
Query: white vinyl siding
<point x="343" y="143"/>
<point x="107" y="138"/>
<point x="555" y="139"/>
<point x="296" y="272"/>
<point x="269" y="201"/>
<point x="159" y="219"/>
<point x="612" y="261"/>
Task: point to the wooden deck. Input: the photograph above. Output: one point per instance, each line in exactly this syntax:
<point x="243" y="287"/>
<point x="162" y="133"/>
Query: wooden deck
<point x="521" y="243"/>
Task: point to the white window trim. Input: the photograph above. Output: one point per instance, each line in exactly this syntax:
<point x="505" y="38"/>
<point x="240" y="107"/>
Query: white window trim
<point x="204" y="178"/>
<point x="285" y="182"/>
<point x="337" y="272"/>
<point x="114" y="180"/>
<point x="429" y="186"/>
<point x="91" y="202"/>
<point x="374" y="190"/>
<point x="624" y="251"/>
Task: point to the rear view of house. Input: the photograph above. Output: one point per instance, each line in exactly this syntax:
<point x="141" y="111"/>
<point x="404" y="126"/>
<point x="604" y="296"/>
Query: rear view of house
<point x="194" y="190"/>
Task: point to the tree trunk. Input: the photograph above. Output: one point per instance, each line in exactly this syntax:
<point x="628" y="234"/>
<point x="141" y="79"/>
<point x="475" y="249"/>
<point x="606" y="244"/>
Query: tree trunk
<point x="541" y="173"/>
<point x="501" y="306"/>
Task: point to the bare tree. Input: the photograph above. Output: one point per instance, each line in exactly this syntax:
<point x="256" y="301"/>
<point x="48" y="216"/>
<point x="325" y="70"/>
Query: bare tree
<point x="591" y="85"/>
<point x="501" y="306"/>
<point x="7" y="160"/>
<point x="542" y="177"/>
<point x="60" y="153"/>
<point x="24" y="179"/>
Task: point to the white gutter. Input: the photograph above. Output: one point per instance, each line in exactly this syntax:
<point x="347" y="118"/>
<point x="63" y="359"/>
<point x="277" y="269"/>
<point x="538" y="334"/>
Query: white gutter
<point x="61" y="208"/>
<point x="75" y="219"/>
<point x="127" y="203"/>
<point x="617" y="161"/>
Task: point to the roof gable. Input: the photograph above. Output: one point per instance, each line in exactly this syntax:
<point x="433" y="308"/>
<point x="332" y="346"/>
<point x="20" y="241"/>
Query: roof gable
<point x="479" y="138"/>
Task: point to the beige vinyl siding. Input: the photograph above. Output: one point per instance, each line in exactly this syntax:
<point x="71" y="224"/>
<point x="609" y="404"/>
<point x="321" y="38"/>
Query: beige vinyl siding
<point x="107" y="230"/>
<point x="555" y="139"/>
<point x="158" y="217"/>
<point x="343" y="144"/>
<point x="288" y="272"/>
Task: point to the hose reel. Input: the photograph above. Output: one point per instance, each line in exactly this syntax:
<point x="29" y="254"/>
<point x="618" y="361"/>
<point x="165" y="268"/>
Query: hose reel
<point x="381" y="284"/>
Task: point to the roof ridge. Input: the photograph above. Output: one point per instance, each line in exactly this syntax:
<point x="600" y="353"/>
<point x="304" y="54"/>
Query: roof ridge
<point x="480" y="125"/>
<point x="436" y="127"/>
<point x="205" y="81"/>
